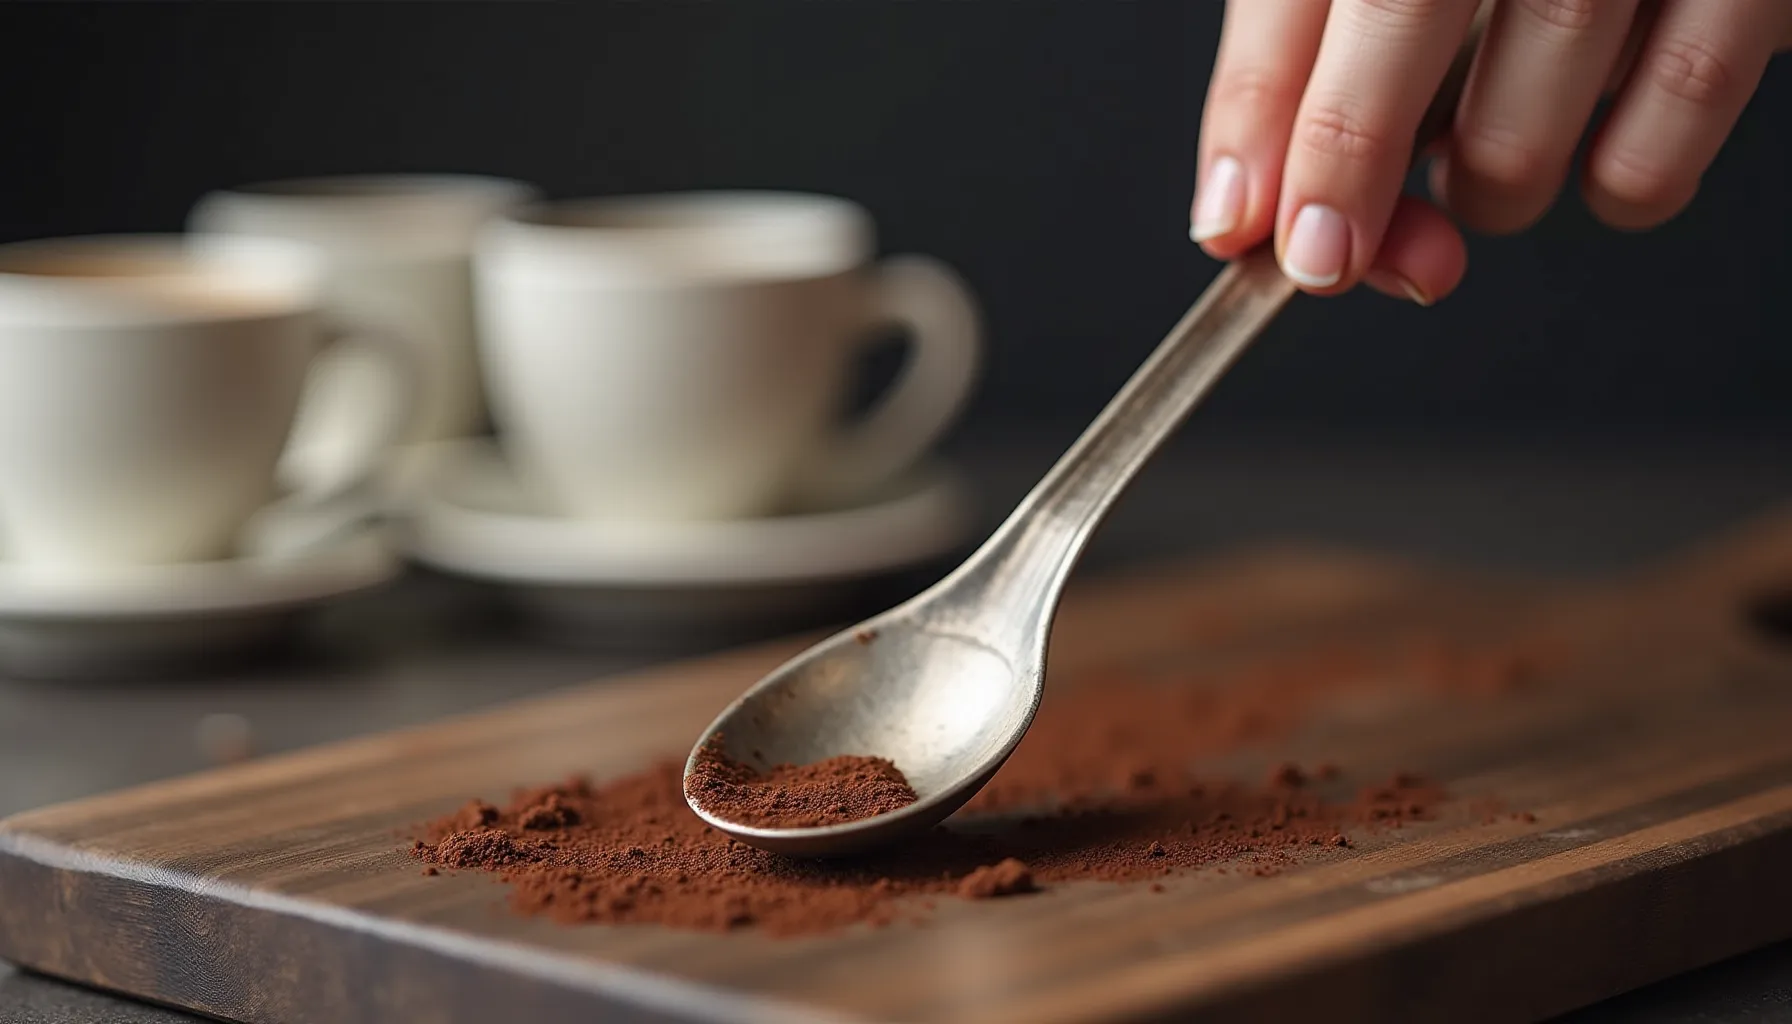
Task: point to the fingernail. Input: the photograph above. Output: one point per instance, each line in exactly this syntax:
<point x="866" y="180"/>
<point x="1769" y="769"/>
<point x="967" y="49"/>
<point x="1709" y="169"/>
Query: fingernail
<point x="1318" y="247"/>
<point x="1220" y="206"/>
<point x="1388" y="281"/>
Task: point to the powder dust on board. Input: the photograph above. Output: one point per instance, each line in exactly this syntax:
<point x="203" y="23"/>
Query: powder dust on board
<point x="1101" y="789"/>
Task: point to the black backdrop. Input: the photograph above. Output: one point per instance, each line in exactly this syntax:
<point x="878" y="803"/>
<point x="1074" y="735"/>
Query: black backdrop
<point x="1045" y="148"/>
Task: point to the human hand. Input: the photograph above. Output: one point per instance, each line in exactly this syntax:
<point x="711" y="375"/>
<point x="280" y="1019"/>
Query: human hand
<point x="1310" y="116"/>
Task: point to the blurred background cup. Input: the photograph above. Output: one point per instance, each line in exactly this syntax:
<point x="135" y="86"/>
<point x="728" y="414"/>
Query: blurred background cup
<point x="148" y="385"/>
<point x="690" y="356"/>
<point x="397" y="251"/>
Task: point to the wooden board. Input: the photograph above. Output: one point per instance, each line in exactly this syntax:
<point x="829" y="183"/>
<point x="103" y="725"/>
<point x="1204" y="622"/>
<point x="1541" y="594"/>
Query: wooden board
<point x="1655" y="752"/>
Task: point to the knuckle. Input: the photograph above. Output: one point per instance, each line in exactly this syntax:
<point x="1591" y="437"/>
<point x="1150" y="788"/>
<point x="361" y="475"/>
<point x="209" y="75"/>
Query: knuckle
<point x="1334" y="132"/>
<point x="1501" y="157"/>
<point x="1569" y="15"/>
<point x="1253" y="89"/>
<point x="1690" y="69"/>
<point x="1400" y="12"/>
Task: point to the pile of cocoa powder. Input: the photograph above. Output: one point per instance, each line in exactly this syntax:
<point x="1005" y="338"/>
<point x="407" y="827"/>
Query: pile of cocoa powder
<point x="1103" y="788"/>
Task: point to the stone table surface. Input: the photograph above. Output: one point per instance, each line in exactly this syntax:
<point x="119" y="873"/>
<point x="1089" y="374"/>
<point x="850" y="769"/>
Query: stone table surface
<point x="430" y="647"/>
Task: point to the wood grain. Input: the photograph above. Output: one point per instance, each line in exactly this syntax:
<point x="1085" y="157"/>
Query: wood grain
<point x="1653" y="752"/>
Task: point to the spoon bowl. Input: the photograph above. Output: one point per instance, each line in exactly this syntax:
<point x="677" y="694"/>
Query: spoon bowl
<point x="947" y="708"/>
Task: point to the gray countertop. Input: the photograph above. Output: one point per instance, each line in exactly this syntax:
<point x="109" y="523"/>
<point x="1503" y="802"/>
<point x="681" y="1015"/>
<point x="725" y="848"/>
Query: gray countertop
<point x="430" y="647"/>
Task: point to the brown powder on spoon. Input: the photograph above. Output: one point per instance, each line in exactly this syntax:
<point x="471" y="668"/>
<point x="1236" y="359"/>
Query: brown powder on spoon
<point x="829" y="792"/>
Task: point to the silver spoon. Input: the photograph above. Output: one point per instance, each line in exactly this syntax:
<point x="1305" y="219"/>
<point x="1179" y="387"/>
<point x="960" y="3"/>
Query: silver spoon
<point x="946" y="684"/>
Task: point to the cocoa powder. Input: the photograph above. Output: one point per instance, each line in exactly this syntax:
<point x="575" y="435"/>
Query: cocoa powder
<point x="1006" y="878"/>
<point x="1104" y="788"/>
<point x="638" y="855"/>
<point x="830" y="792"/>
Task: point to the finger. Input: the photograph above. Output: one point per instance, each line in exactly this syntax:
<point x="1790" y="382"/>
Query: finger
<point x="1422" y="257"/>
<point x="1379" y="64"/>
<point x="1536" y="82"/>
<point x="1693" y="76"/>
<point x="1640" y="27"/>
<point x="1267" y="48"/>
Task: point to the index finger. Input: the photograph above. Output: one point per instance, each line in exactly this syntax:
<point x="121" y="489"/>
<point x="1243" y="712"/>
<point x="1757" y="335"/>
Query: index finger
<point x="1266" y="52"/>
<point x="1380" y="63"/>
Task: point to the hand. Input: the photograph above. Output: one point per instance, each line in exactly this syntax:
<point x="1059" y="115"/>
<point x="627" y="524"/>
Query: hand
<point x="1313" y="106"/>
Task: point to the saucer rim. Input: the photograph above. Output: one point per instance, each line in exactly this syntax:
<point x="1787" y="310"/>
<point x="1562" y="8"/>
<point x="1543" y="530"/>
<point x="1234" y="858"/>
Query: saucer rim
<point x="932" y="513"/>
<point x="362" y="560"/>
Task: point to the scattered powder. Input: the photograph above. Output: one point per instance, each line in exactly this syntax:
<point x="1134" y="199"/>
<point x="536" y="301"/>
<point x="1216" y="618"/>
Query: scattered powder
<point x="1103" y="788"/>
<point x="553" y="812"/>
<point x="485" y="848"/>
<point x="638" y="855"/>
<point x="1405" y="797"/>
<point x="1287" y="775"/>
<point x="830" y="792"/>
<point x="1006" y="878"/>
<point x="477" y="814"/>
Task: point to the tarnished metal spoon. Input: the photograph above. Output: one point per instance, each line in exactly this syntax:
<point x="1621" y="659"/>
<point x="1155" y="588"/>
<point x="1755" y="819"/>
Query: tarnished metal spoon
<point x="946" y="684"/>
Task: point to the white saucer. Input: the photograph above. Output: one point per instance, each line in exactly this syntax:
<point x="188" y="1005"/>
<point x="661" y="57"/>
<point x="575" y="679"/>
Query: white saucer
<point x="691" y="581"/>
<point x="154" y="619"/>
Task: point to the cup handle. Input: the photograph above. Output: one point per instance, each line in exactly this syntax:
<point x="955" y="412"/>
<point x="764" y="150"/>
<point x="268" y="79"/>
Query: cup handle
<point x="345" y="427"/>
<point x="362" y="393"/>
<point x="945" y="342"/>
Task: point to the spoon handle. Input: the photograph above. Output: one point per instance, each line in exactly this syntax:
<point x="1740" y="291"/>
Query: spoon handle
<point x="1033" y="552"/>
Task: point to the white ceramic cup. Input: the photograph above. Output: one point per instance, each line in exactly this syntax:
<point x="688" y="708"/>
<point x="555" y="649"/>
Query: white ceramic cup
<point x="397" y="250"/>
<point x="148" y="385"/>
<point x="689" y="356"/>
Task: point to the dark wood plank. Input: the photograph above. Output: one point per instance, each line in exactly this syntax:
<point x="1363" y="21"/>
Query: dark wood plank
<point x="1653" y="754"/>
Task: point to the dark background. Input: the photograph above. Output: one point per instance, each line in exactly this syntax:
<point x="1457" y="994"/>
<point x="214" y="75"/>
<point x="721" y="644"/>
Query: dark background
<point x="1045" y="148"/>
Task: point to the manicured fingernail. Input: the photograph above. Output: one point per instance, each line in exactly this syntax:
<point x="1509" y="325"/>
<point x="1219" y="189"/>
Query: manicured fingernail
<point x="1318" y="247"/>
<point x="1390" y="282"/>
<point x="1220" y="206"/>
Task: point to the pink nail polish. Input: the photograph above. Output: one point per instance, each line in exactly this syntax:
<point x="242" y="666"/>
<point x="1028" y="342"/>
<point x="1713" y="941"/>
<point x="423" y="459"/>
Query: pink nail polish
<point x="1220" y="205"/>
<point x="1318" y="248"/>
